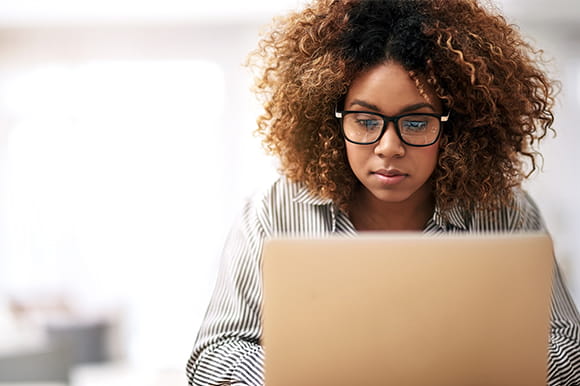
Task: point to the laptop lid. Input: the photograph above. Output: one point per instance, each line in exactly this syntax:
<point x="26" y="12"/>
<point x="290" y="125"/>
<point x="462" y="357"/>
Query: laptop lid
<point x="407" y="309"/>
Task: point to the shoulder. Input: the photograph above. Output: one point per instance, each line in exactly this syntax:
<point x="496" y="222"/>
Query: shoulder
<point x="283" y="192"/>
<point x="286" y="206"/>
<point x="520" y="214"/>
<point x="277" y="194"/>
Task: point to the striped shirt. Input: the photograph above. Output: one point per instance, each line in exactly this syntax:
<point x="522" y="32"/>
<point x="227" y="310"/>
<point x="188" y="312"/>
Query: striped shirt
<point x="228" y="348"/>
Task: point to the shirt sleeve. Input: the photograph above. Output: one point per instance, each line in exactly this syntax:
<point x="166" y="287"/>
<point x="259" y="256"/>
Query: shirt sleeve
<point x="564" y="343"/>
<point x="227" y="349"/>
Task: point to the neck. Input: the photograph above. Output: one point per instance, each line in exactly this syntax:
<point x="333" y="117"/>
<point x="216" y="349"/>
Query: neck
<point x="371" y="214"/>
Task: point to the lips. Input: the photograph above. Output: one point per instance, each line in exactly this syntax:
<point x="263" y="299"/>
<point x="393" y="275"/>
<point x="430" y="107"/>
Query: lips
<point x="390" y="172"/>
<point x="389" y="176"/>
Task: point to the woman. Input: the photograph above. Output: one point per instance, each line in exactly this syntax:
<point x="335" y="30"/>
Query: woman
<point x="386" y="115"/>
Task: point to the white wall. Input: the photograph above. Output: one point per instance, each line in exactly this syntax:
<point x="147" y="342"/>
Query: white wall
<point x="125" y="153"/>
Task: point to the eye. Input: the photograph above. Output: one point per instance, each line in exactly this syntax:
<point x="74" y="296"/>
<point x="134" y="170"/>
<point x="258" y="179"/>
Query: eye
<point x="414" y="124"/>
<point x="369" y="124"/>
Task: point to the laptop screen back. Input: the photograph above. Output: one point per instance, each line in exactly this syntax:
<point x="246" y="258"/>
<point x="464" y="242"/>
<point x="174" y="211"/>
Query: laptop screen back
<point x="407" y="309"/>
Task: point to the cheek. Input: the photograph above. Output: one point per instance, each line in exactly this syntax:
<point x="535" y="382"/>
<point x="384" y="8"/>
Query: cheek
<point x="424" y="160"/>
<point x="431" y="157"/>
<point x="355" y="156"/>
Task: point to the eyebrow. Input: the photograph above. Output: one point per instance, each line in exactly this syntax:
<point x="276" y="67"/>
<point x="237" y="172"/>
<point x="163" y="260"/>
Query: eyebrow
<point x="406" y="109"/>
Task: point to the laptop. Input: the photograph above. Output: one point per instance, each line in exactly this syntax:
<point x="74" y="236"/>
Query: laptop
<point x="407" y="310"/>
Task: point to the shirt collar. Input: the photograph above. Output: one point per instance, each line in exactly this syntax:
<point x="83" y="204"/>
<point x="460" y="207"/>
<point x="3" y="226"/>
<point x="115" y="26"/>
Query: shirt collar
<point x="451" y="218"/>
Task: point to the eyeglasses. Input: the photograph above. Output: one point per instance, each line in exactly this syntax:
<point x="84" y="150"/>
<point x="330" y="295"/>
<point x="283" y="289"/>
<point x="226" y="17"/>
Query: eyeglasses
<point x="366" y="128"/>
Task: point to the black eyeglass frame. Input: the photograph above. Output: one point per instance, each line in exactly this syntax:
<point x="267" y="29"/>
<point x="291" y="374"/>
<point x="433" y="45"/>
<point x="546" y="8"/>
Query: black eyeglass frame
<point x="386" y="119"/>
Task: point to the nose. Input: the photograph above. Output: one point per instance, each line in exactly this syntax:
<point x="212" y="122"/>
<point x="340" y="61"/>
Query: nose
<point x="390" y="145"/>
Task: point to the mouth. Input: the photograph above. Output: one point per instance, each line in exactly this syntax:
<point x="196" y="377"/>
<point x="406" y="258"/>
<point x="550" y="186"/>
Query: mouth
<point x="390" y="176"/>
<point x="390" y="173"/>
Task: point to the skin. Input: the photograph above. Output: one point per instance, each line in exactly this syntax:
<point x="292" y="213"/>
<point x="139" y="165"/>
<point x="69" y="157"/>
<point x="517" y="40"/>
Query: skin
<point x="395" y="193"/>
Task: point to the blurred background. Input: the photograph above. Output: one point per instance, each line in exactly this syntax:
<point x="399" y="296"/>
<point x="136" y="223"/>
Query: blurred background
<point x="126" y="149"/>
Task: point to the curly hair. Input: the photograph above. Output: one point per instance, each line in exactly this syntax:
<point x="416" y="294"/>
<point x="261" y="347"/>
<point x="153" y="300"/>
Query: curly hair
<point x="480" y="67"/>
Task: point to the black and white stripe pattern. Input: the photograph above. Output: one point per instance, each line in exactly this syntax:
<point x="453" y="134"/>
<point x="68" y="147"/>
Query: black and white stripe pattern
<point x="228" y="351"/>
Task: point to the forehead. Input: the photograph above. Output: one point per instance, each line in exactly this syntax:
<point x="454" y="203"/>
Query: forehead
<point x="390" y="87"/>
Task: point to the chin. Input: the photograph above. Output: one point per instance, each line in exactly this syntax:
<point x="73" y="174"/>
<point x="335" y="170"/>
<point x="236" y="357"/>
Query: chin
<point x="391" y="196"/>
